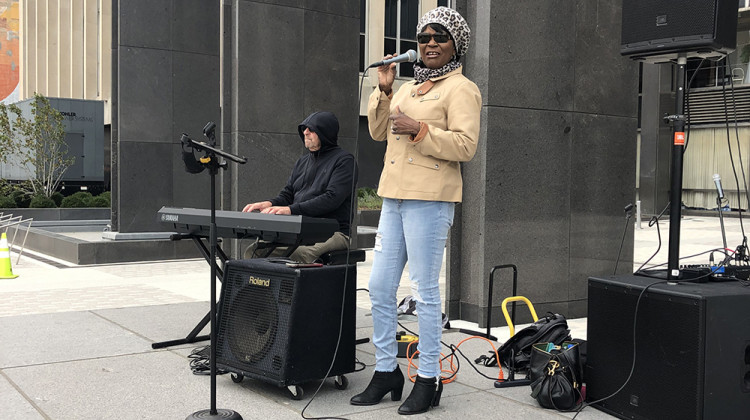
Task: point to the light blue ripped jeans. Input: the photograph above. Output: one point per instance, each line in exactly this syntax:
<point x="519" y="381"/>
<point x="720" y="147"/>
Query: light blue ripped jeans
<point x="416" y="231"/>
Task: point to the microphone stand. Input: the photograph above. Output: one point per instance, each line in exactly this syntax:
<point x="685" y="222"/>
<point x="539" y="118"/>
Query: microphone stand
<point x="675" y="193"/>
<point x="721" y="221"/>
<point x="211" y="163"/>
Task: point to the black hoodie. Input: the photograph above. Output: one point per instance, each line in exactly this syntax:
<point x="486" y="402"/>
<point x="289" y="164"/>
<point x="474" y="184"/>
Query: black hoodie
<point x="322" y="182"/>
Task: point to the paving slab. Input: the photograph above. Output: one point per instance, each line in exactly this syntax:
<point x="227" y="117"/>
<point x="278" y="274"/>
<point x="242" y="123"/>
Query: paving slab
<point x="159" y="323"/>
<point x="15" y="405"/>
<point x="59" y="337"/>
<point x="153" y="385"/>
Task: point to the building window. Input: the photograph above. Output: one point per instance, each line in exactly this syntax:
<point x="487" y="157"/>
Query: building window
<point x="401" y="17"/>
<point x="362" y="34"/>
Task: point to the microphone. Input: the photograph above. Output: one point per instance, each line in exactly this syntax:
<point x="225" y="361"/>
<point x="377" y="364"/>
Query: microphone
<point x="209" y="128"/>
<point x="408" y="56"/>
<point x="717" y="181"/>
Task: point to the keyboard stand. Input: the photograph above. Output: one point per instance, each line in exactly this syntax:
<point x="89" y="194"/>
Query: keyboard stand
<point x="193" y="336"/>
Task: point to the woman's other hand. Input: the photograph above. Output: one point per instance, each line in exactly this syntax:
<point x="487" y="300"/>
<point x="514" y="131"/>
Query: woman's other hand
<point x="403" y="124"/>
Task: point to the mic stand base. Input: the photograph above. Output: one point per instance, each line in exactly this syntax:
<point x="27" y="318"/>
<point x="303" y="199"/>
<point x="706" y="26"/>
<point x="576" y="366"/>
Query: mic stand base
<point x="220" y="414"/>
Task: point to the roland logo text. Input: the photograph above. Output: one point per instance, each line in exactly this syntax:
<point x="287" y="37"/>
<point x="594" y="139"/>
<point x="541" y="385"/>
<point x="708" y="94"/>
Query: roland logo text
<point x="256" y="281"/>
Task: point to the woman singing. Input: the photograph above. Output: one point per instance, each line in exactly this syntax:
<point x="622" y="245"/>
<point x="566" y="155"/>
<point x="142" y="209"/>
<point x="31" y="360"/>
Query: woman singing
<point x="431" y="124"/>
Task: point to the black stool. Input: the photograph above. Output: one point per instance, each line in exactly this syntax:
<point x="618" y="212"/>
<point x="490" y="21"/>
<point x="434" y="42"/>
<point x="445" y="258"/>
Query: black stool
<point x="352" y="256"/>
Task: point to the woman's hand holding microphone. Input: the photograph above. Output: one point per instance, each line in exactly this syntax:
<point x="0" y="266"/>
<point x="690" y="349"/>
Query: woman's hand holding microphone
<point x="400" y="122"/>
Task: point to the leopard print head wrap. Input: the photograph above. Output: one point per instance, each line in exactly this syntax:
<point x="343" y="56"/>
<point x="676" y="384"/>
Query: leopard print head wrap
<point x="459" y="31"/>
<point x="453" y="22"/>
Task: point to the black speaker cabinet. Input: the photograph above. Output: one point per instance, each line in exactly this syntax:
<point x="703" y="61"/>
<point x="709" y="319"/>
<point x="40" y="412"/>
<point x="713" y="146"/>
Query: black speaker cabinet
<point x="692" y="349"/>
<point x="657" y="30"/>
<point x="281" y="324"/>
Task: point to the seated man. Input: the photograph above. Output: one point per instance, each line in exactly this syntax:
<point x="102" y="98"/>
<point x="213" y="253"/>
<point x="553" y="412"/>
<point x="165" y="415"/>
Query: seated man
<point x="321" y="185"/>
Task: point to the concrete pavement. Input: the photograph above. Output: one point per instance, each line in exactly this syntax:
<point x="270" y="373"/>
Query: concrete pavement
<point x="75" y="343"/>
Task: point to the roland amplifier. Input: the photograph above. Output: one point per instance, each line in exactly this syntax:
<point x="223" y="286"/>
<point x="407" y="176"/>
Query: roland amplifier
<point x="692" y="346"/>
<point x="281" y="325"/>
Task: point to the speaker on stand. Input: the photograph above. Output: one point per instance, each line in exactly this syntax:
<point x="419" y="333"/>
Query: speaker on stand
<point x="281" y="325"/>
<point x="658" y="30"/>
<point x="690" y="341"/>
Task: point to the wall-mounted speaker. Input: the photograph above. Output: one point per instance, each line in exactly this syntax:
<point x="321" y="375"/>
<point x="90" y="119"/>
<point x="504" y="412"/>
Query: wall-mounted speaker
<point x="692" y="346"/>
<point x="659" y="30"/>
<point x="281" y="325"/>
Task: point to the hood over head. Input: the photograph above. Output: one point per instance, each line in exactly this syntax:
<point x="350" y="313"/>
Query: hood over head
<point x="325" y="125"/>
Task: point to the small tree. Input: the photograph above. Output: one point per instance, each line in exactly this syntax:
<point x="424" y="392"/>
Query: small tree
<point x="8" y="143"/>
<point x="40" y="144"/>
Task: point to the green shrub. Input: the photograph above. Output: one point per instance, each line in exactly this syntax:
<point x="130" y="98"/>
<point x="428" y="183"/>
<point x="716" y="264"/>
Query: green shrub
<point x="106" y="196"/>
<point x="42" y="202"/>
<point x="57" y="197"/>
<point x="98" y="201"/>
<point x="85" y="195"/>
<point x="5" y="187"/>
<point x="368" y="198"/>
<point x="366" y="192"/>
<point x="22" y="198"/>
<point x="73" y="201"/>
<point x="7" y="202"/>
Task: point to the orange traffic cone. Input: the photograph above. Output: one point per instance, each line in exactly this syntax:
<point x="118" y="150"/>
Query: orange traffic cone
<point x="6" y="272"/>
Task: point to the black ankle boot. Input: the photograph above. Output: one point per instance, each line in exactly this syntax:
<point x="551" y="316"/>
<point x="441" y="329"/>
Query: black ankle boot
<point x="425" y="394"/>
<point x="381" y="384"/>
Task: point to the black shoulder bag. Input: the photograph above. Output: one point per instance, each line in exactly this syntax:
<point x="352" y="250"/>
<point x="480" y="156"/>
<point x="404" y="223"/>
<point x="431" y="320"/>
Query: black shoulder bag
<point x="516" y="352"/>
<point x="556" y="375"/>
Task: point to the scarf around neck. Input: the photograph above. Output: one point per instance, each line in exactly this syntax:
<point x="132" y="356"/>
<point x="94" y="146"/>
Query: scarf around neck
<point x="423" y="73"/>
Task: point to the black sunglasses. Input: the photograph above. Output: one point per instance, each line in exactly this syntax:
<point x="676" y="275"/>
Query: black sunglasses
<point x="424" y="38"/>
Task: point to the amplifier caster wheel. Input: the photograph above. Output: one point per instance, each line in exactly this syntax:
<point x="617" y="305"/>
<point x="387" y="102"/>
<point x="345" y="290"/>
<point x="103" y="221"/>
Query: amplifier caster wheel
<point x="340" y="382"/>
<point x="296" y="391"/>
<point x="237" y="378"/>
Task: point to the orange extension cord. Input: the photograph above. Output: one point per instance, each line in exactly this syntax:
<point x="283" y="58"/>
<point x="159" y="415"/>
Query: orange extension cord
<point x="453" y="370"/>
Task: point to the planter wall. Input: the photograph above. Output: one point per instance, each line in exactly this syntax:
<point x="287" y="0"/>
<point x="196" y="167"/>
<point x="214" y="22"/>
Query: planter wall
<point x="83" y="213"/>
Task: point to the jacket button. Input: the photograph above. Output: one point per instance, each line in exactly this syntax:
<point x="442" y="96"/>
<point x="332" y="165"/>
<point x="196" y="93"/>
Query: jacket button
<point x="437" y="166"/>
<point x="413" y="95"/>
<point x="393" y="161"/>
<point x="411" y="160"/>
<point x="398" y="137"/>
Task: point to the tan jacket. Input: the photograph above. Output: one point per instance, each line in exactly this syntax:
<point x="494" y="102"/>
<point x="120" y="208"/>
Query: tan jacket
<point x="427" y="167"/>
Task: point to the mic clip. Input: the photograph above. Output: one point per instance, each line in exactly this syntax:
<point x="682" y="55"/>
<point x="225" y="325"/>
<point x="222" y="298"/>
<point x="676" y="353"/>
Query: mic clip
<point x="192" y="165"/>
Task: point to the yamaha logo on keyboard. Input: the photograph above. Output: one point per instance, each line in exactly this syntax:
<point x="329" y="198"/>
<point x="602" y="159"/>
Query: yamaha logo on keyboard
<point x="170" y="218"/>
<point x="256" y="281"/>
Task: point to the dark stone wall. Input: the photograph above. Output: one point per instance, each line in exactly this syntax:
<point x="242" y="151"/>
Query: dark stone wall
<point x="283" y="61"/>
<point x="556" y="164"/>
<point x="371" y="155"/>
<point x="166" y="73"/>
